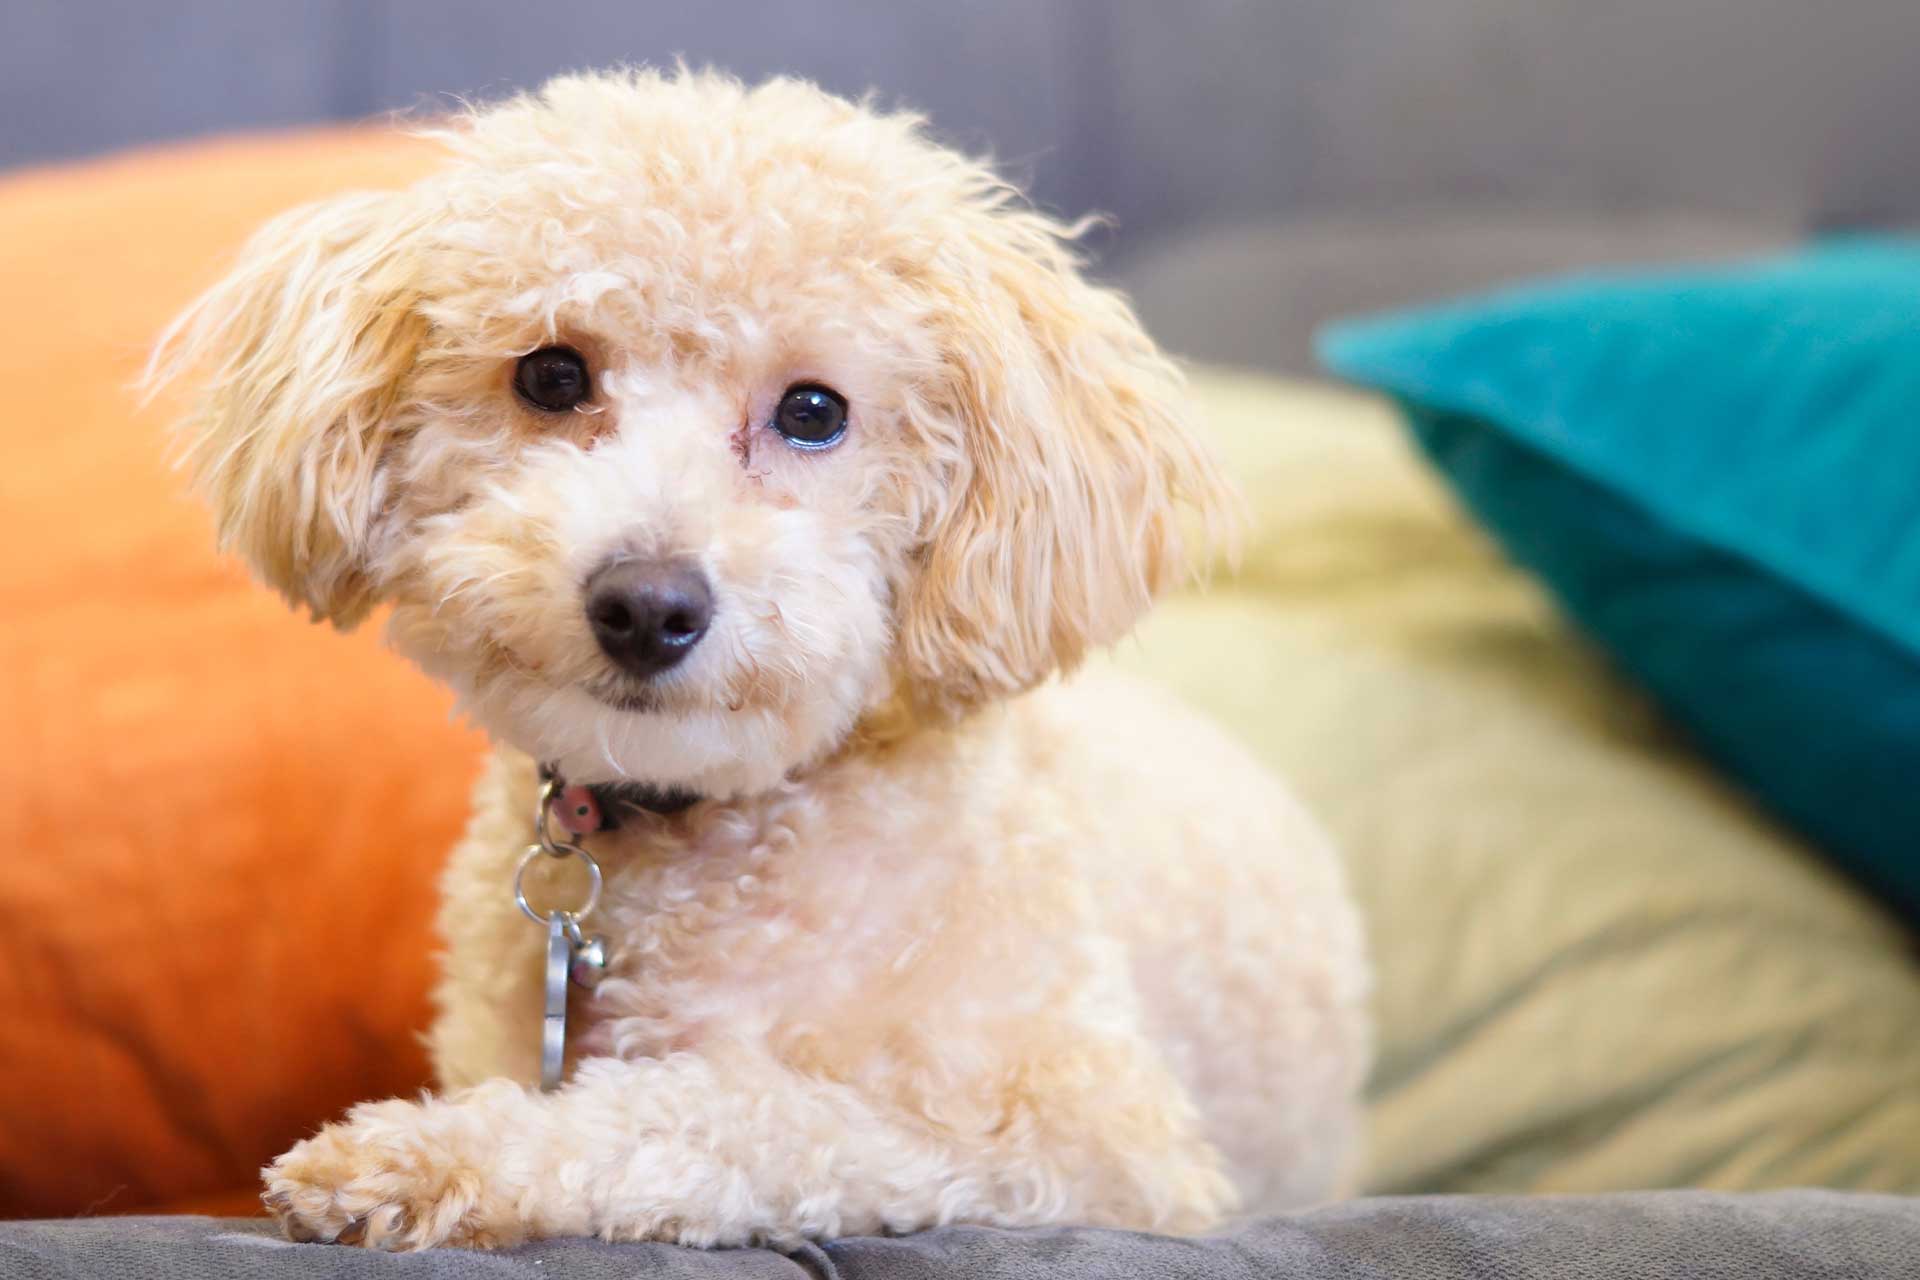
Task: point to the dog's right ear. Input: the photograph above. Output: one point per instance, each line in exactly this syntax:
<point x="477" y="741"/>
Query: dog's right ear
<point x="302" y="350"/>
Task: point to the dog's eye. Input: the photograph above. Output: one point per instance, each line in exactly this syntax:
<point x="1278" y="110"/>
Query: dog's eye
<point x="552" y="379"/>
<point x="811" y="416"/>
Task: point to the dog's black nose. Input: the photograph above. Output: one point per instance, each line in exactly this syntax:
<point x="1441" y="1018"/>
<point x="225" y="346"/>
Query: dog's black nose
<point x="648" y="615"/>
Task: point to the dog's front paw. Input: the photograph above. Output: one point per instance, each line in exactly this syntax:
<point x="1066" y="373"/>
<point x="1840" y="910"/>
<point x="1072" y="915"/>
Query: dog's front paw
<point x="386" y="1179"/>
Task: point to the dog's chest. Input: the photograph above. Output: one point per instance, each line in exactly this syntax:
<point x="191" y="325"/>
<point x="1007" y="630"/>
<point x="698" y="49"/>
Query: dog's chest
<point x="747" y="931"/>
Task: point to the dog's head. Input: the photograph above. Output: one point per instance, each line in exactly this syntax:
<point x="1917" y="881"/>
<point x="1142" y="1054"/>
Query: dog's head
<point x="683" y="425"/>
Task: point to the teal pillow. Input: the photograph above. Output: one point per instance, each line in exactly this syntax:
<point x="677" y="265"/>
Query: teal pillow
<point x="1718" y="474"/>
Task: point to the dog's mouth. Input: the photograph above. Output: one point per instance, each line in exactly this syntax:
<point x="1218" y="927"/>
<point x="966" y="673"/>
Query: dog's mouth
<point x="622" y="693"/>
<point x="611" y="689"/>
<point x="636" y="699"/>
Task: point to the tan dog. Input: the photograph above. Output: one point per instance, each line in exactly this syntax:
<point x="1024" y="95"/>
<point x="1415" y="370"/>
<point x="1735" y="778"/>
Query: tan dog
<point x="746" y="446"/>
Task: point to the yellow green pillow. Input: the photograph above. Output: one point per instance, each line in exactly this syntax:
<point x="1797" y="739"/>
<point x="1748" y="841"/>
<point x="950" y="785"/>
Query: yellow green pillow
<point x="1598" y="966"/>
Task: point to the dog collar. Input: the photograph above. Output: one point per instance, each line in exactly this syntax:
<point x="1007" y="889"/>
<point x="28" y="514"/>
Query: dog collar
<point x="582" y="810"/>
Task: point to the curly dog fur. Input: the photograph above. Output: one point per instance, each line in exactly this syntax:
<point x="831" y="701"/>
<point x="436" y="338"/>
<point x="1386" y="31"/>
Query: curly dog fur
<point x="945" y="939"/>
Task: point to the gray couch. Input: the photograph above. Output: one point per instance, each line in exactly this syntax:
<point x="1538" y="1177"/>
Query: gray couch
<point x="1799" y="1235"/>
<point x="1168" y="116"/>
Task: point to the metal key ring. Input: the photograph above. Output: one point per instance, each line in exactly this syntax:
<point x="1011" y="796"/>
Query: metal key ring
<point x="558" y="851"/>
<point x="542" y="817"/>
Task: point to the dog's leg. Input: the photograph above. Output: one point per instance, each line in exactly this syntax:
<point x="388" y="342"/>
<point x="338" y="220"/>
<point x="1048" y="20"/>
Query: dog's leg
<point x="687" y="1150"/>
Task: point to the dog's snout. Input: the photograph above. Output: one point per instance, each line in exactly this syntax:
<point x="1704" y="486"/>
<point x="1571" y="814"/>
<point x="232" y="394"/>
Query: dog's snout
<point x="648" y="615"/>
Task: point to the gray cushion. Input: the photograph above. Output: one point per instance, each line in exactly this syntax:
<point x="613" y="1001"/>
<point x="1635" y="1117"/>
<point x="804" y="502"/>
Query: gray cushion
<point x="1253" y="296"/>
<point x="1797" y="1235"/>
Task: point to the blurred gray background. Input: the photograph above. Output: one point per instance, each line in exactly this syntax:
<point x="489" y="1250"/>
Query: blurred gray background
<point x="1266" y="162"/>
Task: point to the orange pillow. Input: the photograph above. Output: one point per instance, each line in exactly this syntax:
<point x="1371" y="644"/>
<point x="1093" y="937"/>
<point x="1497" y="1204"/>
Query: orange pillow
<point x="222" y="823"/>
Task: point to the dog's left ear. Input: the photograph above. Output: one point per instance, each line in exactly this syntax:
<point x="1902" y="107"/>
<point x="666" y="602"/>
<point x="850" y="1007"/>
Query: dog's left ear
<point x="1074" y="477"/>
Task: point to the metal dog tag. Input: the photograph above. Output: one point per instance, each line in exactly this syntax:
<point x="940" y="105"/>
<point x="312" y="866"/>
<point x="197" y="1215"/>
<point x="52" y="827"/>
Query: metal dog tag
<point x="553" y="1034"/>
<point x="572" y="956"/>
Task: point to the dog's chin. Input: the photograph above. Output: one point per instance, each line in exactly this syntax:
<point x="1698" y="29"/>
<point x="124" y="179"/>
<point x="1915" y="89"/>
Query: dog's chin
<point x="666" y="739"/>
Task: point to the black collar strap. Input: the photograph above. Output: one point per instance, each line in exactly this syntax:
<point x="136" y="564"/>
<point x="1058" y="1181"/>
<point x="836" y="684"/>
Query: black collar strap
<point x="618" y="798"/>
